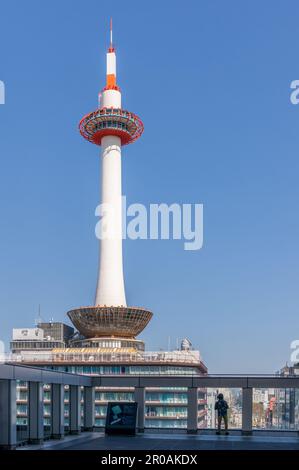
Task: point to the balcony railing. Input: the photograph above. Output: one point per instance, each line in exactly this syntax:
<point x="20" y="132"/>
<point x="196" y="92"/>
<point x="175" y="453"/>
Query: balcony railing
<point x="36" y="378"/>
<point x="76" y="355"/>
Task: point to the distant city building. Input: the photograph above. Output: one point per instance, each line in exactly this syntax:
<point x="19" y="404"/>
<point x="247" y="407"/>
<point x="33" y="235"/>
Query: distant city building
<point x="46" y="336"/>
<point x="289" y="370"/>
<point x="275" y="408"/>
<point x="56" y="331"/>
<point x="288" y="401"/>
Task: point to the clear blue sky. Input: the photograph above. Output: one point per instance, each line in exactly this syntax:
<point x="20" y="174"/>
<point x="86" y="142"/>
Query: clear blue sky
<point x="211" y="80"/>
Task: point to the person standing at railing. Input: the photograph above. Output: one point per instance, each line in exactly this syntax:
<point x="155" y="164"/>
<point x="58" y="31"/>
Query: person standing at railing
<point x="221" y="406"/>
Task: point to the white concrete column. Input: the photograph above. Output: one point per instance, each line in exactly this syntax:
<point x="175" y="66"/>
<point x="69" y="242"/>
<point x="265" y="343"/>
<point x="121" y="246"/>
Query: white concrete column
<point x="8" y="414"/>
<point x="247" y="411"/>
<point x="139" y="397"/>
<point x="75" y="409"/>
<point x="89" y="408"/>
<point x="36" y="412"/>
<point x="57" y="411"/>
<point x="192" y="410"/>
<point x="110" y="287"/>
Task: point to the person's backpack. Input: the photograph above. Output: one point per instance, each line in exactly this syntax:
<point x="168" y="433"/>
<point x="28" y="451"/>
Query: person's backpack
<point x="222" y="407"/>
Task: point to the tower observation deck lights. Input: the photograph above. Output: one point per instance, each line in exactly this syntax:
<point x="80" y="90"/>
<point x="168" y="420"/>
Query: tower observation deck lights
<point x="110" y="126"/>
<point x="109" y="121"/>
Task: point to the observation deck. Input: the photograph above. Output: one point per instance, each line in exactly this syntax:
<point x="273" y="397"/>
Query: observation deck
<point x="111" y="121"/>
<point x="101" y="321"/>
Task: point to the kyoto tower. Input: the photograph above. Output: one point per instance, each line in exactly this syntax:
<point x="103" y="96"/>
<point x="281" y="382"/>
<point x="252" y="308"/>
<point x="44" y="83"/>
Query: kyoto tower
<point x="111" y="127"/>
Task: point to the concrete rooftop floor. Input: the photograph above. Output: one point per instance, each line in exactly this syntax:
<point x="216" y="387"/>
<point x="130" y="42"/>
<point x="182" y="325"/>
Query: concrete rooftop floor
<point x="159" y="441"/>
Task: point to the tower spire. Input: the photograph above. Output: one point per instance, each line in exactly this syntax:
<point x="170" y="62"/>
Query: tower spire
<point x="111" y="33"/>
<point x="111" y="65"/>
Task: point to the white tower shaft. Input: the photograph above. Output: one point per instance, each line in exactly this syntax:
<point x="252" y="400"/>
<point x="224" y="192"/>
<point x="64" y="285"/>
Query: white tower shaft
<point x="110" y="287"/>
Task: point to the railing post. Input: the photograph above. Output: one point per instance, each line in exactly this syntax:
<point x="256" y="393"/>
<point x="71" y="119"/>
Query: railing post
<point x="8" y="414"/>
<point x="247" y="411"/>
<point x="57" y="411"/>
<point x="75" y="409"/>
<point x="139" y="397"/>
<point x="192" y="410"/>
<point x="89" y="410"/>
<point x="36" y="412"/>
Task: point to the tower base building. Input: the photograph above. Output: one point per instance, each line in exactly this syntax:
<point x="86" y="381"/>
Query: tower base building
<point x="164" y="407"/>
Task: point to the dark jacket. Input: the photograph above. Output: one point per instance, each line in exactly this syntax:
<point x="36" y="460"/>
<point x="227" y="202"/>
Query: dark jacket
<point x="222" y="407"/>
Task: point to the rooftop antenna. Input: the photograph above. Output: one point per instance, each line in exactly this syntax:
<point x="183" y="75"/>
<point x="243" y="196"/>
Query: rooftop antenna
<point x="111" y="48"/>
<point x="111" y="32"/>
<point x="39" y="317"/>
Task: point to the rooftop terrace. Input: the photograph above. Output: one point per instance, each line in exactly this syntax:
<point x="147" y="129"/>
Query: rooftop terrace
<point x="190" y="438"/>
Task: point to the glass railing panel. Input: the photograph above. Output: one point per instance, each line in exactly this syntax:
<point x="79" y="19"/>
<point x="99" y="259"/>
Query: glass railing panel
<point x="166" y="407"/>
<point x="233" y="397"/>
<point x="103" y="395"/>
<point x="275" y="409"/>
<point x="47" y="399"/>
<point x="22" y="411"/>
<point x="66" y="409"/>
<point x="82" y="405"/>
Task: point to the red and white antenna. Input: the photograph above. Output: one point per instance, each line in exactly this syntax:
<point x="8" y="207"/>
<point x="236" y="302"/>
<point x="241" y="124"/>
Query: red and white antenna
<point x="111" y="64"/>
<point x="111" y="34"/>
<point x="111" y="47"/>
